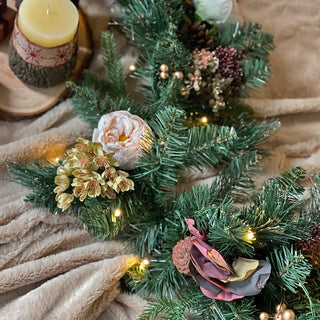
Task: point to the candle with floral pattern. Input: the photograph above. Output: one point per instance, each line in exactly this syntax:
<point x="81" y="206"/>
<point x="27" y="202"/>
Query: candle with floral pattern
<point x="44" y="42"/>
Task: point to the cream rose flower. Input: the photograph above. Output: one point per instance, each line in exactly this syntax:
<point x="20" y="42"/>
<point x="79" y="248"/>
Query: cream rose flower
<point x="215" y="11"/>
<point x="120" y="132"/>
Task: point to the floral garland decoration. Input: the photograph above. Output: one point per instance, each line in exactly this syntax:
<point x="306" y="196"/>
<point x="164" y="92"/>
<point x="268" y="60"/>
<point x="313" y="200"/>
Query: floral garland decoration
<point x="217" y="280"/>
<point x="154" y="142"/>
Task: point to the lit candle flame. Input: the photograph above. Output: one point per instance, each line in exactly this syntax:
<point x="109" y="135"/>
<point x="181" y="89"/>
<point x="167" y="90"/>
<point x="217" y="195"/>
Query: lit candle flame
<point x="48" y="11"/>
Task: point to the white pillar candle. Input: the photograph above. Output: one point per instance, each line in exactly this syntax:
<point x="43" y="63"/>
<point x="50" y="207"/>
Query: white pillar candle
<point x="48" y="23"/>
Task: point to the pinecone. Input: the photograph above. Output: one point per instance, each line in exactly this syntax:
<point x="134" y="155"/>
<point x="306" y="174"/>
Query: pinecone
<point x="196" y="35"/>
<point x="181" y="255"/>
<point x="229" y="67"/>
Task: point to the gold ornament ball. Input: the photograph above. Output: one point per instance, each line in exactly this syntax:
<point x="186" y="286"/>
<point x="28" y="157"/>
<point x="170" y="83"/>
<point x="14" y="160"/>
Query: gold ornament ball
<point x="178" y="75"/>
<point x="281" y="307"/>
<point x="185" y="92"/>
<point x="263" y="316"/>
<point x="164" y="75"/>
<point x="164" y="68"/>
<point x="288" y="315"/>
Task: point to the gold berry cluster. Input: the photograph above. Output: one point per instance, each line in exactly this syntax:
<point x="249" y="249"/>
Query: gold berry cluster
<point x="164" y="73"/>
<point x="282" y="313"/>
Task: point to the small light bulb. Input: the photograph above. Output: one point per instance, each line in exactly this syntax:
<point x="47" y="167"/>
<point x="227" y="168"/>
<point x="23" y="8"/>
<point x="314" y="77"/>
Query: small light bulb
<point x="204" y="120"/>
<point x="143" y="264"/>
<point x="57" y="160"/>
<point x="117" y="213"/>
<point x="251" y="236"/>
<point x="132" y="67"/>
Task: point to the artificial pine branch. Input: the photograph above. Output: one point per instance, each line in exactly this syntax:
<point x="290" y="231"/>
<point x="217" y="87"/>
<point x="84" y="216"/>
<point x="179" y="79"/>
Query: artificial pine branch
<point x="99" y="219"/>
<point x="39" y="178"/>
<point x="290" y="267"/>
<point x="110" y="104"/>
<point x="229" y="232"/>
<point x="192" y="304"/>
<point x="243" y="309"/>
<point x="94" y="97"/>
<point x="153" y="26"/>
<point x="249" y="39"/>
<point x="289" y="272"/>
<point x="163" y="164"/>
<point x="277" y="211"/>
<point x="251" y="133"/>
<point x="86" y="102"/>
<point x="313" y="208"/>
<point x="162" y="279"/>
<point x="92" y="80"/>
<point x="236" y="179"/>
<point x="299" y="300"/>
<point x="207" y="145"/>
<point x="113" y="66"/>
<point x="255" y="73"/>
<point x="142" y="20"/>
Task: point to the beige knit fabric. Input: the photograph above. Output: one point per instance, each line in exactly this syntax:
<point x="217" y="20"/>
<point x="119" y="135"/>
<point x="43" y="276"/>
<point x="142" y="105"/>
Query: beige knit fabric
<point x="49" y="267"/>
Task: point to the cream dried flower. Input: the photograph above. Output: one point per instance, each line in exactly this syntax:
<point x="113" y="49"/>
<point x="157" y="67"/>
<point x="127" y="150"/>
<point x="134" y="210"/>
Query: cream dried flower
<point x="88" y="171"/>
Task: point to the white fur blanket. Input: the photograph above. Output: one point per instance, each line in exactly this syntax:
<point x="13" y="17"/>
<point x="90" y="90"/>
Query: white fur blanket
<point x="49" y="267"/>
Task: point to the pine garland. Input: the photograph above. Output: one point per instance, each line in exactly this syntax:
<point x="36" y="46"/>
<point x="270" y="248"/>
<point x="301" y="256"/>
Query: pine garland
<point x="232" y="142"/>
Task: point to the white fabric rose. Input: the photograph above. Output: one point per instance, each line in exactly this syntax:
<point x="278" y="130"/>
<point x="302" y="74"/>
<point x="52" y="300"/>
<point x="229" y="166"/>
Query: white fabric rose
<point x="214" y="11"/>
<point x="120" y="132"/>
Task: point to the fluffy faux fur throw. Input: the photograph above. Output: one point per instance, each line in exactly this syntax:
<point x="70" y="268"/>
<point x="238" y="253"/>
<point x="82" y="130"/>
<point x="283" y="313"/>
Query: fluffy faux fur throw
<point x="49" y="267"/>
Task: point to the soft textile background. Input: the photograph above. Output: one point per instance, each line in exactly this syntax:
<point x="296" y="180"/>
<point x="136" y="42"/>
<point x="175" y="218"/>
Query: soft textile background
<point x="293" y="93"/>
<point x="49" y="267"/>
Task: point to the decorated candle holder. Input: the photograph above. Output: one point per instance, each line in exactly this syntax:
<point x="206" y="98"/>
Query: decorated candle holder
<point x="43" y="45"/>
<point x="41" y="66"/>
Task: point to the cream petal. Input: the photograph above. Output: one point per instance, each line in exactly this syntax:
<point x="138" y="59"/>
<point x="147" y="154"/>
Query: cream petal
<point x="121" y="123"/>
<point x="96" y="135"/>
<point x="217" y="11"/>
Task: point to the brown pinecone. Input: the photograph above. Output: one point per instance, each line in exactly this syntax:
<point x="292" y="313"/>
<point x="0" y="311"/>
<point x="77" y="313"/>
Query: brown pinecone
<point x="181" y="255"/>
<point x="196" y="35"/>
<point x="229" y="67"/>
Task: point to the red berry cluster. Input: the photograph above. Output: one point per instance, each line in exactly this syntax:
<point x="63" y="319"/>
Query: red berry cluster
<point x="311" y="246"/>
<point x="229" y="66"/>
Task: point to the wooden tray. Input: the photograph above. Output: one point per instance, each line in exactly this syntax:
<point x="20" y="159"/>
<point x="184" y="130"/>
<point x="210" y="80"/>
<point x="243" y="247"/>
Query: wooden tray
<point x="19" y="99"/>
